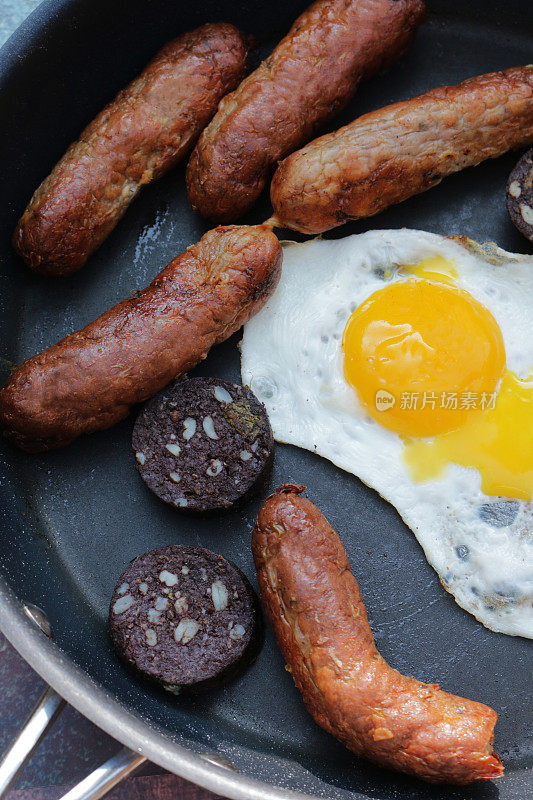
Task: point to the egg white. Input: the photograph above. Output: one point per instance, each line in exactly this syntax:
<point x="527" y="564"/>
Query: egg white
<point x="480" y="546"/>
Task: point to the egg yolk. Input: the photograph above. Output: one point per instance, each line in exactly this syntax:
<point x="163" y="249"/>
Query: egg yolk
<point x="498" y="442"/>
<point x="434" y="268"/>
<point x="417" y="352"/>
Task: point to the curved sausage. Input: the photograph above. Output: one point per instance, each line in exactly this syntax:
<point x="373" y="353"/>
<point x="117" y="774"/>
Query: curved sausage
<point x="309" y="77"/>
<point x="315" y="607"/>
<point x="389" y="155"/>
<point x="91" y="378"/>
<point x="139" y="136"/>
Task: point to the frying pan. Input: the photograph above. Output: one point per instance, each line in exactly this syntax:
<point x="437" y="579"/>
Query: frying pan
<point x="72" y="519"/>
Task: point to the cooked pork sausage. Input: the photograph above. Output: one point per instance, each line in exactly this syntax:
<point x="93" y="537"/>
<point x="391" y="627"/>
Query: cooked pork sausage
<point x="138" y="137"/>
<point x="315" y="607"/>
<point x="91" y="378"/>
<point x="309" y="77"/>
<point x="389" y="155"/>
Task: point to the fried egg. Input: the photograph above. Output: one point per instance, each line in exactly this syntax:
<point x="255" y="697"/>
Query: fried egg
<point x="406" y="358"/>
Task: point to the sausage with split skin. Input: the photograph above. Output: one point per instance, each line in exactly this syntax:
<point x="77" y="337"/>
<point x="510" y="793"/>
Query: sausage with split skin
<point x="315" y="607"/>
<point x="150" y="126"/>
<point x="309" y="77"/>
<point x="90" y="379"/>
<point x="389" y="155"/>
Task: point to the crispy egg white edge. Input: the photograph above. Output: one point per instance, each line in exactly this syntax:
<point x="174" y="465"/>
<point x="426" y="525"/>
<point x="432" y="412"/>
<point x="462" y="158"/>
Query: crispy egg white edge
<point x="495" y="582"/>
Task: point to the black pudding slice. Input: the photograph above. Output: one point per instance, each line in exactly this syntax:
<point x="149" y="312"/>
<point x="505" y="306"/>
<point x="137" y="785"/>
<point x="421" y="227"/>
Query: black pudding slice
<point x="203" y="444"/>
<point x="185" y="618"/>
<point x="520" y="195"/>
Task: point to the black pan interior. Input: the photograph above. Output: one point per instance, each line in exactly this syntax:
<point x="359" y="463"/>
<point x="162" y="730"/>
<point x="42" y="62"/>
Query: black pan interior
<point x="73" y="519"/>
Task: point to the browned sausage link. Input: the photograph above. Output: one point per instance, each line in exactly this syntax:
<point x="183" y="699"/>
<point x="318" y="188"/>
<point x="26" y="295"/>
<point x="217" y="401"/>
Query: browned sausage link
<point x="309" y="77"/>
<point x="389" y="155"/>
<point x="138" y="137"/>
<point x="90" y="379"/>
<point x="314" y="604"/>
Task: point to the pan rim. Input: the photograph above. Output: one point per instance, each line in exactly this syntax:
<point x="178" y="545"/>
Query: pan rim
<point x="75" y="685"/>
<point x="50" y="662"/>
<point x="95" y="703"/>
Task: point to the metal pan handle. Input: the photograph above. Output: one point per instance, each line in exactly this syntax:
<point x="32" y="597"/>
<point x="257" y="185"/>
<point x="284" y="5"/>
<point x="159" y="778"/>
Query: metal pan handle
<point x="48" y="707"/>
<point x="104" y="778"/>
<point x="50" y="704"/>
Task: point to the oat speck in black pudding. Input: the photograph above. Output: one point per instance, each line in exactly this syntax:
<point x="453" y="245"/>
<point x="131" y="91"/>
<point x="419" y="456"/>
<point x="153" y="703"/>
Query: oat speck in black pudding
<point x="203" y="444"/>
<point x="185" y="618"/>
<point x="520" y="195"/>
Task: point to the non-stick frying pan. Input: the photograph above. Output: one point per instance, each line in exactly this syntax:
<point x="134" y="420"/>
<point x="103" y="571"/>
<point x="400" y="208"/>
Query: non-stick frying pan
<point x="72" y="519"/>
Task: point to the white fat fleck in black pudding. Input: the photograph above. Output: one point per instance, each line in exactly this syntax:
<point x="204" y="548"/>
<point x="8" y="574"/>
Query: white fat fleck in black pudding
<point x="203" y="444"/>
<point x="185" y="618"/>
